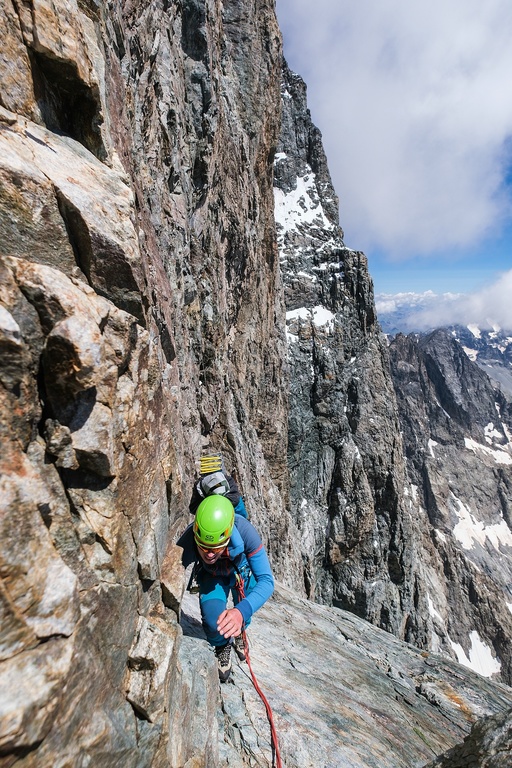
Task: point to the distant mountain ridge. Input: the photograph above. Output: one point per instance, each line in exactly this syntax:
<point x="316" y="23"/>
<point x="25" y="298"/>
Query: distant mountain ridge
<point x="491" y="349"/>
<point x="457" y="434"/>
<point x="408" y="312"/>
<point x="486" y="344"/>
<point x="453" y="382"/>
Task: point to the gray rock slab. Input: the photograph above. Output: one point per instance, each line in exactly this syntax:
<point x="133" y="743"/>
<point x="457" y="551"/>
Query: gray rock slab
<point x="343" y="692"/>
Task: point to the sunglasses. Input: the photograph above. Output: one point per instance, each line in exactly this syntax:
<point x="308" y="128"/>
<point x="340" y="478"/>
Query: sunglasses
<point x="212" y="549"/>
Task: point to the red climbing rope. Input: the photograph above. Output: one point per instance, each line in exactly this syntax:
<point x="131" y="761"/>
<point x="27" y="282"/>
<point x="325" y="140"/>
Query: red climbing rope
<point x="276" y="757"/>
<point x="275" y="746"/>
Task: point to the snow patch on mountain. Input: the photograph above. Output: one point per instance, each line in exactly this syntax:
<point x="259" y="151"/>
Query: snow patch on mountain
<point x="475" y="330"/>
<point x="480" y="658"/>
<point x="471" y="353"/>
<point x="433" y="611"/>
<point x="499" y="456"/>
<point x="485" y="343"/>
<point x="431" y="445"/>
<point x="319" y="316"/>
<point x="307" y="240"/>
<point x="490" y="431"/>
<point x="469" y="530"/>
<point x="299" y="206"/>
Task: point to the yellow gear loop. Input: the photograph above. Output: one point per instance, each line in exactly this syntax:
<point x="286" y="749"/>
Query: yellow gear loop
<point x="211" y="463"/>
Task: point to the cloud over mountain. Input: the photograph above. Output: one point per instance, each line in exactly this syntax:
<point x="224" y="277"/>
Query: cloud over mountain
<point x="416" y="120"/>
<point x="419" y="312"/>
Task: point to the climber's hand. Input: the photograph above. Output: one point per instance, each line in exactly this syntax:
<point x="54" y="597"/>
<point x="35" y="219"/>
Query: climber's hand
<point x="230" y="623"/>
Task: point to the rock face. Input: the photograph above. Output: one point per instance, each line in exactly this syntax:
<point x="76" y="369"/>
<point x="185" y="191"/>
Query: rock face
<point x="347" y="473"/>
<point x="85" y="481"/>
<point x="140" y="324"/>
<point x="458" y="441"/>
<point x="491" y="349"/>
<point x="489" y="745"/>
<point x="344" y="693"/>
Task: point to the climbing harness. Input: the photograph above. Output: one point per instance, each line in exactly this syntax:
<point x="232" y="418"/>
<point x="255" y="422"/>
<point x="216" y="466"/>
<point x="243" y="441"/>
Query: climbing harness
<point x="276" y="757"/>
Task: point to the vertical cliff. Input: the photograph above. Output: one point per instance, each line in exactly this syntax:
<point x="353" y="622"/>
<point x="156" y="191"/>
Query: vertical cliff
<point x="141" y="323"/>
<point x="194" y="88"/>
<point x="347" y="473"/>
<point x="457" y="431"/>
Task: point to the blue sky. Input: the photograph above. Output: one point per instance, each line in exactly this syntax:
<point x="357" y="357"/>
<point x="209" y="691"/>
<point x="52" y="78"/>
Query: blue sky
<point x="413" y="101"/>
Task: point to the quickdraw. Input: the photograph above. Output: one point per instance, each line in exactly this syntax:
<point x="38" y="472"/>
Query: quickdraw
<point x="276" y="757"/>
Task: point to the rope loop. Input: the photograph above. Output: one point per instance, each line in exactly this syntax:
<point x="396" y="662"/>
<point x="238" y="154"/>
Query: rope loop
<point x="276" y="756"/>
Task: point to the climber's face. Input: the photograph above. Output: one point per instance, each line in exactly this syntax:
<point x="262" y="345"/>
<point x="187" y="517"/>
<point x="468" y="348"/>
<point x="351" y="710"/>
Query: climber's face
<point x="211" y="555"/>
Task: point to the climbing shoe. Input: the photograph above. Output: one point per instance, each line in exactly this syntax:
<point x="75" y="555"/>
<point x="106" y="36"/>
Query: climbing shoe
<point x="223" y="654"/>
<point x="239" y="647"/>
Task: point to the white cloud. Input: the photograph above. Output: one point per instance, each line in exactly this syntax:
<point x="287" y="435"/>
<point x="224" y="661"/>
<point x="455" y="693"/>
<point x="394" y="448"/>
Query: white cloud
<point x="414" y="106"/>
<point x="486" y="308"/>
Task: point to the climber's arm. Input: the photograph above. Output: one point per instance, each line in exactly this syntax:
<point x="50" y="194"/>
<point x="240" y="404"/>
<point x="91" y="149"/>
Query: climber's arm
<point x="260" y="566"/>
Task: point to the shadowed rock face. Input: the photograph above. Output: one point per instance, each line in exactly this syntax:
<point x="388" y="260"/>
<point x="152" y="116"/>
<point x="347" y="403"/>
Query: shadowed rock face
<point x="194" y="90"/>
<point x="347" y="474"/>
<point x="457" y="435"/>
<point x="489" y="745"/>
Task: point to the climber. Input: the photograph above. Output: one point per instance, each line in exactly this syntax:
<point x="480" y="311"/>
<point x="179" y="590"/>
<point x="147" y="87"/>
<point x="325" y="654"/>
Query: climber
<point x="226" y="547"/>
<point x="219" y="482"/>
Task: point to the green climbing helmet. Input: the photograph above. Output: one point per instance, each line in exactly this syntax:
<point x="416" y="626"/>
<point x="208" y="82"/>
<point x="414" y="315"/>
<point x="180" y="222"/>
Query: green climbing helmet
<point x="214" y="521"/>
